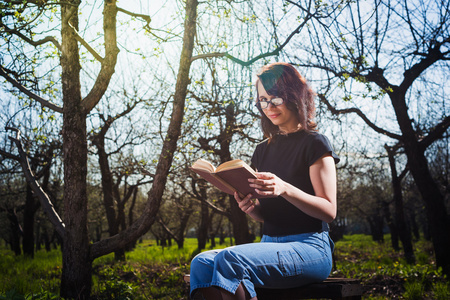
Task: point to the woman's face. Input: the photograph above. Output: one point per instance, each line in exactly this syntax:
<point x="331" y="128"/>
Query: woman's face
<point x="279" y="115"/>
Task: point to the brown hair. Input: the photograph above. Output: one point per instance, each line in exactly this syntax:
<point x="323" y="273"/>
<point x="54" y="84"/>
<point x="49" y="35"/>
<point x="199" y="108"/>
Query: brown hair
<point x="283" y="80"/>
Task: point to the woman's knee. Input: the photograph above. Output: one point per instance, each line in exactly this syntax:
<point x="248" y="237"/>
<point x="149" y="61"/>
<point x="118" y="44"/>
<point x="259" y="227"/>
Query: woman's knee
<point x="231" y="262"/>
<point x="228" y="254"/>
<point x="204" y="259"/>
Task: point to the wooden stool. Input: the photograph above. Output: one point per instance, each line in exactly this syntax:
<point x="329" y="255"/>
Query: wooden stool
<point x="331" y="288"/>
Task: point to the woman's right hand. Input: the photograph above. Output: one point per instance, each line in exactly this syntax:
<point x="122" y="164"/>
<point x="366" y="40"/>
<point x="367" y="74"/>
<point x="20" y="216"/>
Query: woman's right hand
<point x="250" y="206"/>
<point x="246" y="204"/>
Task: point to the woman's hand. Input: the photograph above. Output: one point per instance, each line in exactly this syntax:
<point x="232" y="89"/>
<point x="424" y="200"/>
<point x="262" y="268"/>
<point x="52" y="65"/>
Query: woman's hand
<point x="246" y="204"/>
<point x="268" y="184"/>
<point x="320" y="205"/>
<point x="249" y="206"/>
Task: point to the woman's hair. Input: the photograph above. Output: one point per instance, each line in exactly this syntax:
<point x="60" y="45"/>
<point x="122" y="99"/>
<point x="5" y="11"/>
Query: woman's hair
<point x="284" y="81"/>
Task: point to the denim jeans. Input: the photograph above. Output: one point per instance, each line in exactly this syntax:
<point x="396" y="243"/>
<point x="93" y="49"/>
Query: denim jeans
<point x="275" y="262"/>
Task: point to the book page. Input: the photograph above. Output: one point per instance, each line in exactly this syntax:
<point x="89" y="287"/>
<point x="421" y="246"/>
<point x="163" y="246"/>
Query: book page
<point x="202" y="164"/>
<point x="232" y="164"/>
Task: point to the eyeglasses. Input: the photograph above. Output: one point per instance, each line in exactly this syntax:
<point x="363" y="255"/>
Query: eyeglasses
<point x="265" y="103"/>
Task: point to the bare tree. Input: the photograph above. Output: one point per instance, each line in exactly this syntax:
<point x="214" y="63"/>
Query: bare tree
<point x="175" y="215"/>
<point x="115" y="180"/>
<point x="403" y="232"/>
<point x="390" y="51"/>
<point x="78" y="254"/>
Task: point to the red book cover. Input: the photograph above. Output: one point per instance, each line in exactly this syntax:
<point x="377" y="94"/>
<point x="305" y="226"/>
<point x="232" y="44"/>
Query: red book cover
<point x="228" y="177"/>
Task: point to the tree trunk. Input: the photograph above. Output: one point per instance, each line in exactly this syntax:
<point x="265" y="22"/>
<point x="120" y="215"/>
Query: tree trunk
<point x="403" y="231"/>
<point x="28" y="223"/>
<point x="148" y="217"/>
<point x="202" y="233"/>
<point x="182" y="227"/>
<point x="376" y="227"/>
<point x="107" y="184"/>
<point x="438" y="219"/>
<point x="77" y="253"/>
<point x="119" y="254"/>
<point x="414" y="226"/>
<point x="240" y="223"/>
<point x="238" y="218"/>
<point x="77" y="269"/>
<point x="434" y="201"/>
<point x="15" y="232"/>
<point x="392" y="227"/>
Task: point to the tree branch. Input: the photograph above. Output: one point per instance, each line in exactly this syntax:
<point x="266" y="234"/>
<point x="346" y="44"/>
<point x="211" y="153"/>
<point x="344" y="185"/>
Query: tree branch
<point x="436" y="133"/>
<point x="29" y="93"/>
<point x="51" y="39"/>
<point x="167" y="229"/>
<point x="9" y="155"/>
<point x="197" y="197"/>
<point x="86" y="44"/>
<point x="434" y="54"/>
<point x="335" y="111"/>
<point x="34" y="184"/>
<point x="110" y="60"/>
<point x="144" y="222"/>
<point x="262" y="55"/>
<point x="146" y="18"/>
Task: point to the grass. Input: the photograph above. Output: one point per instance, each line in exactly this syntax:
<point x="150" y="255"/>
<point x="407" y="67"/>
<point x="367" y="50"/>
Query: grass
<point x="23" y="275"/>
<point x="154" y="272"/>
<point x="385" y="273"/>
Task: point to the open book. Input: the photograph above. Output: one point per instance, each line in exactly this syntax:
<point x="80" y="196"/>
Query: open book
<point x="230" y="176"/>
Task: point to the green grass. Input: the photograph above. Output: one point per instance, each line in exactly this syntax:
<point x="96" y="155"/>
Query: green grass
<point x="154" y="272"/>
<point x="385" y="273"/>
<point x="24" y="275"/>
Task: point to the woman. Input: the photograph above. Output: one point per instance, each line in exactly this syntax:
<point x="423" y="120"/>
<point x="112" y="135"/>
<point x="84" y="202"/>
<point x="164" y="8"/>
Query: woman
<point x="296" y="175"/>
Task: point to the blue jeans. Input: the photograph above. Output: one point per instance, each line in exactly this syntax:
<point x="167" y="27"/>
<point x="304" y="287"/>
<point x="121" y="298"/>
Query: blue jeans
<point x="275" y="262"/>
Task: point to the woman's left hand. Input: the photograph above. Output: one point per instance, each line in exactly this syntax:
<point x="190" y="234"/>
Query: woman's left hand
<point x="268" y="184"/>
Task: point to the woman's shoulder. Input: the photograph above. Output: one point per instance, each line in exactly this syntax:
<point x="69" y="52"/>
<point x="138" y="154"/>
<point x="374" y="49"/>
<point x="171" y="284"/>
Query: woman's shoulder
<point x="316" y="136"/>
<point x="307" y="136"/>
<point x="319" y="144"/>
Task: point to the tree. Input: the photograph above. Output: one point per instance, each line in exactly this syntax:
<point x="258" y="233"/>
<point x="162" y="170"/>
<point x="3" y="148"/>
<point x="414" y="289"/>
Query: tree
<point x="113" y="181"/>
<point x="394" y="51"/>
<point x="223" y="140"/>
<point x="401" y="229"/>
<point x="41" y="163"/>
<point x="175" y="215"/>
<point x="78" y="254"/>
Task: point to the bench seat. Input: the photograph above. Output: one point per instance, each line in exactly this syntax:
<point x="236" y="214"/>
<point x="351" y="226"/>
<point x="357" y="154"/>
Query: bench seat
<point x="331" y="288"/>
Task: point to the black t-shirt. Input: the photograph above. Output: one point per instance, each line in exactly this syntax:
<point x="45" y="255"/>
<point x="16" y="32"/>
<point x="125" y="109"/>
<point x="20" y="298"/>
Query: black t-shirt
<point x="289" y="157"/>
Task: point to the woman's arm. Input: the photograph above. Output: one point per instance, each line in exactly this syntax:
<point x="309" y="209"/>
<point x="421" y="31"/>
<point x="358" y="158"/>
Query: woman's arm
<point x="250" y="206"/>
<point x="323" y="178"/>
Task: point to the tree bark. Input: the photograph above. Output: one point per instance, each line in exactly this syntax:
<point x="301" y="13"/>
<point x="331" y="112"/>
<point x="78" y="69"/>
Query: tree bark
<point x="392" y="227"/>
<point x="28" y="223"/>
<point x="403" y="230"/>
<point x="431" y="195"/>
<point x="438" y="219"/>
<point x="202" y="233"/>
<point x="77" y="270"/>
<point x="15" y="231"/>
<point x="239" y="220"/>
<point x="143" y="224"/>
<point x="107" y="184"/>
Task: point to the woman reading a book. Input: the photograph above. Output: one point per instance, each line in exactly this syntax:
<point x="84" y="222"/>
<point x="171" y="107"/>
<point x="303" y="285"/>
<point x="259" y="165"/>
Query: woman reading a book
<point x="296" y="178"/>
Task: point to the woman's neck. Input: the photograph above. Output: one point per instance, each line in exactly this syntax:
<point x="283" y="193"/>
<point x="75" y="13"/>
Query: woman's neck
<point x="290" y="129"/>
